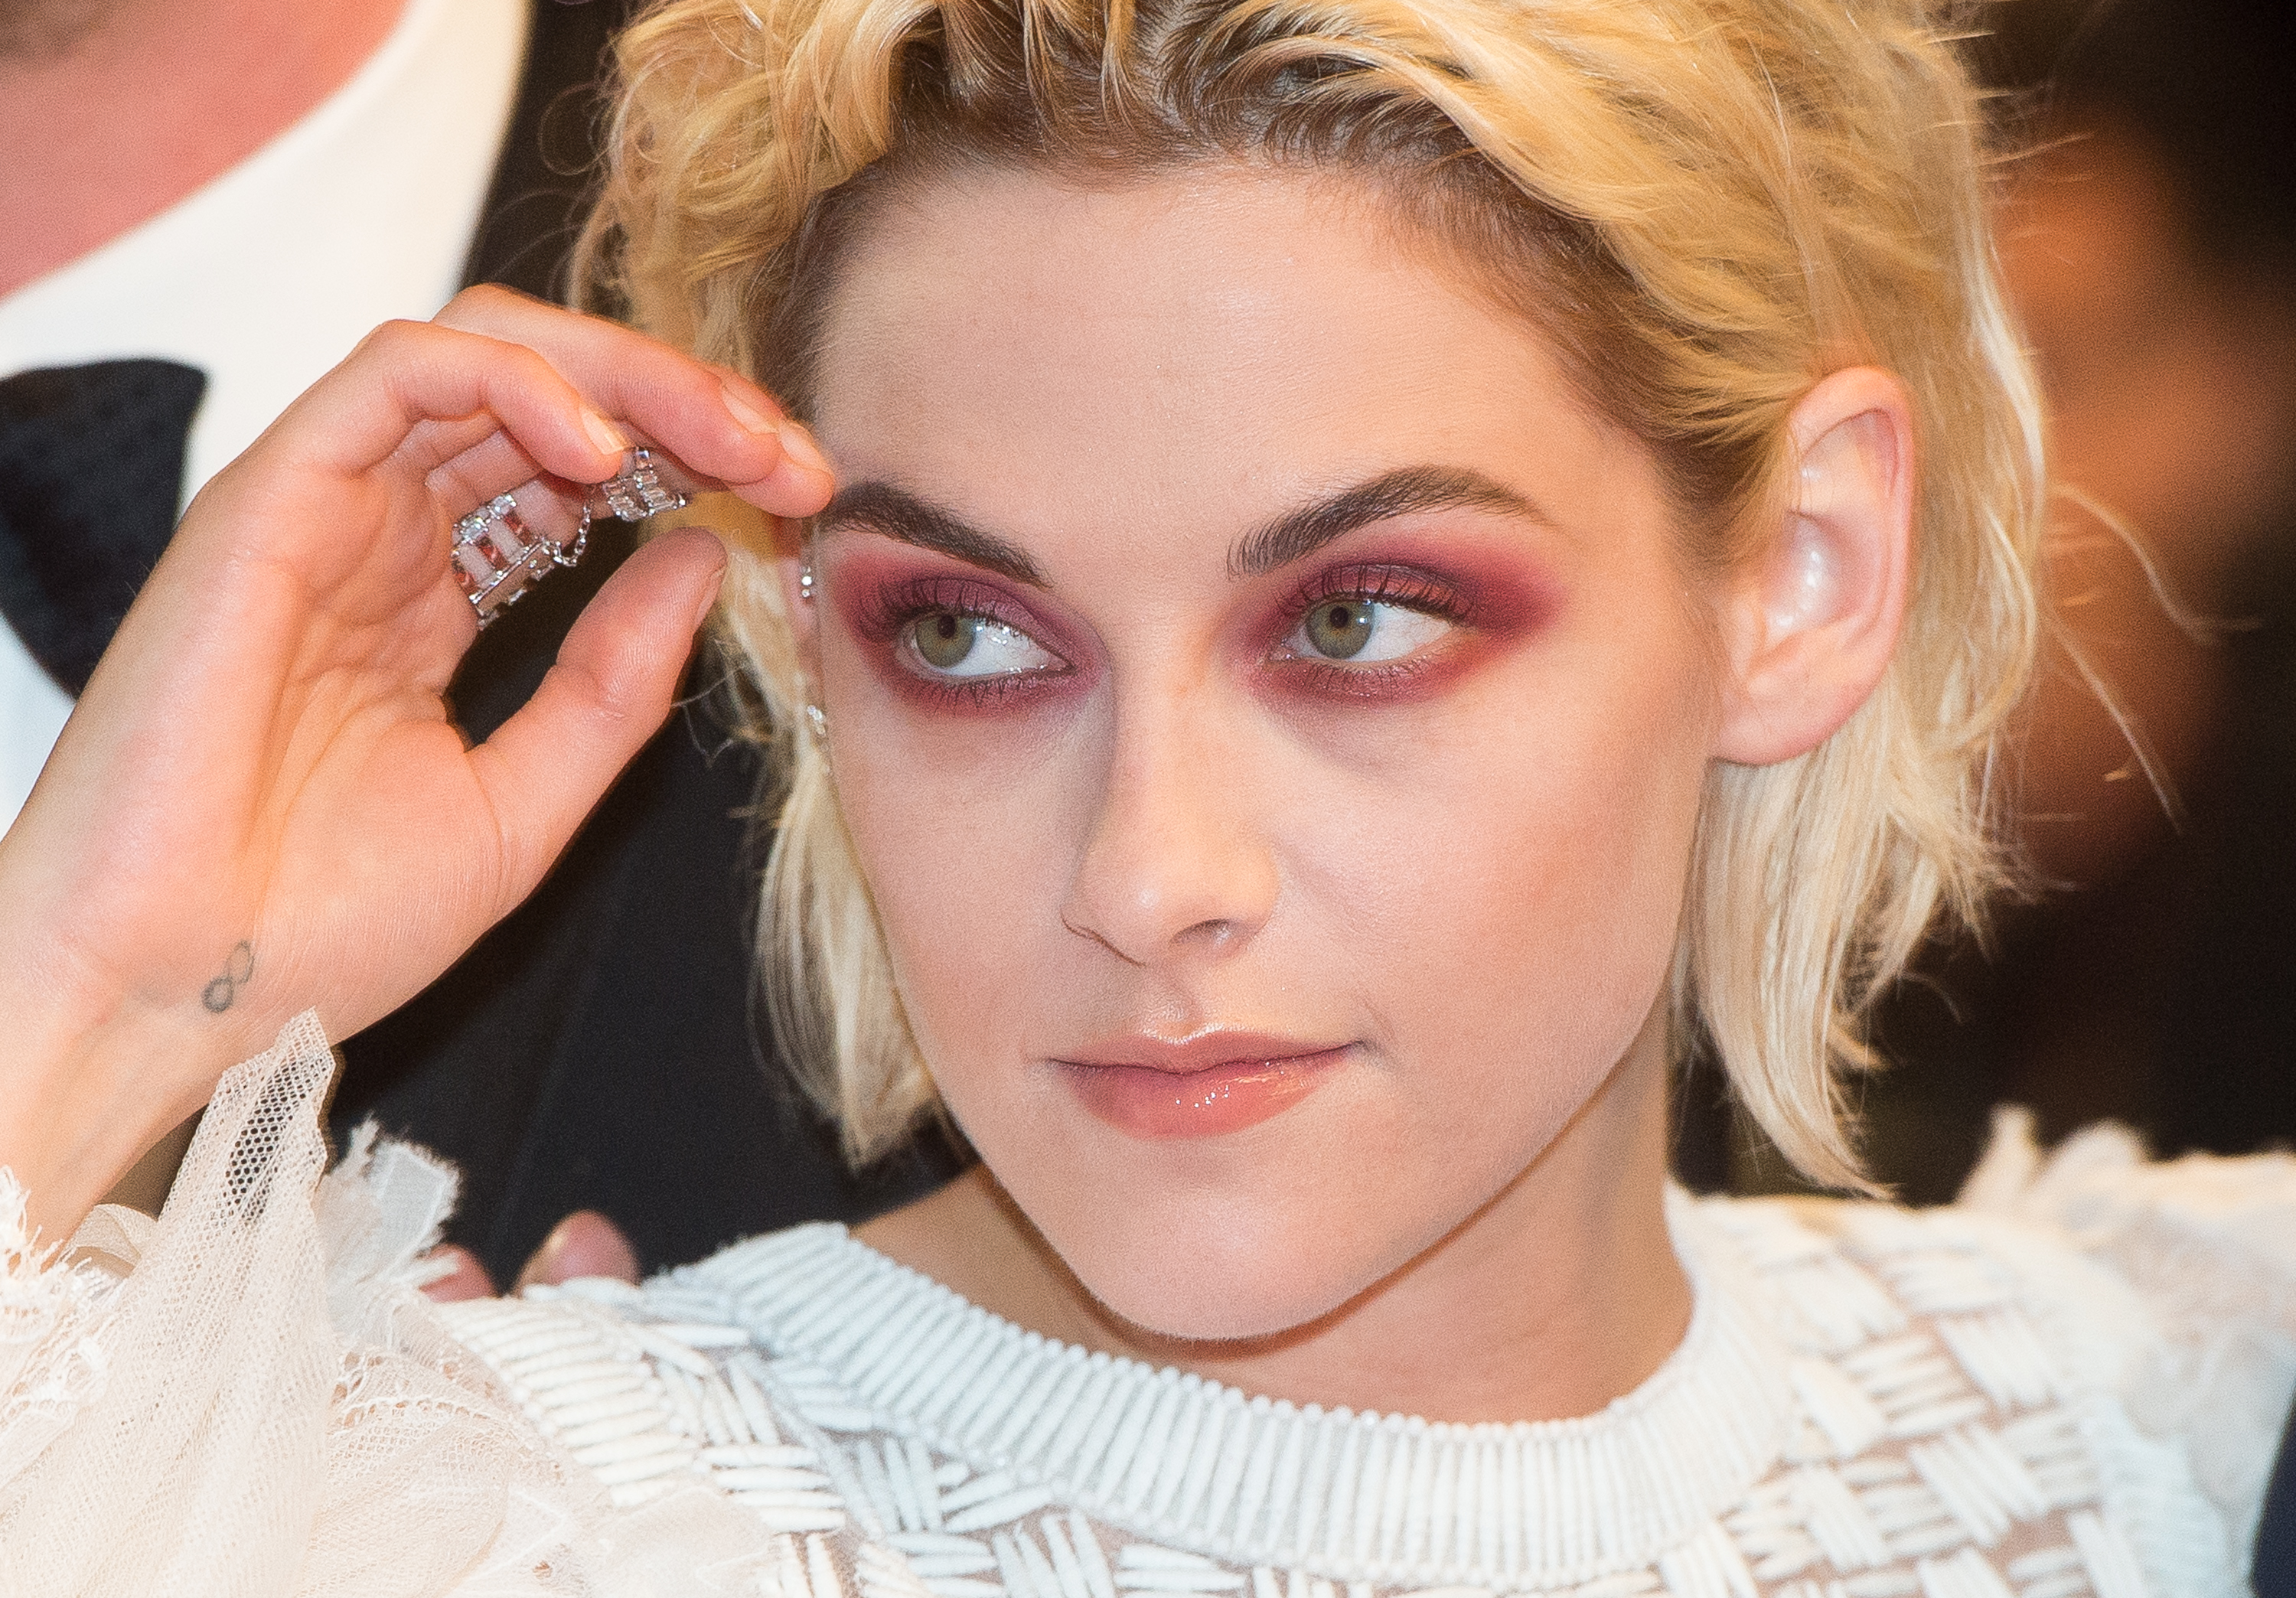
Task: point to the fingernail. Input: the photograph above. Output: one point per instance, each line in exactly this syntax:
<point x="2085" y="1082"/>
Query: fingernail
<point x="586" y="1243"/>
<point x="746" y="413"/>
<point x="797" y="444"/>
<point x="604" y="433"/>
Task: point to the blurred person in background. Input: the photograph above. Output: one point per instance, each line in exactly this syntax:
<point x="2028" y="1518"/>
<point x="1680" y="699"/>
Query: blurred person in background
<point x="2151" y="978"/>
<point x="209" y="202"/>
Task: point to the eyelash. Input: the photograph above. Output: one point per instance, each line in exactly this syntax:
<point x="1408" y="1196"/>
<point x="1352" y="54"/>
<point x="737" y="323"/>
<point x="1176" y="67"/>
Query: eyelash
<point x="1407" y="587"/>
<point x="888" y="612"/>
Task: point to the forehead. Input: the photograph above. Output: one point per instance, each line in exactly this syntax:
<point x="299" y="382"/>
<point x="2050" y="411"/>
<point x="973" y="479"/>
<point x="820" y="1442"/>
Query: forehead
<point x="1197" y="349"/>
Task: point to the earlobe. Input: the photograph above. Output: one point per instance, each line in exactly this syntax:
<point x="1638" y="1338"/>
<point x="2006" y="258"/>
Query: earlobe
<point x="1814" y="619"/>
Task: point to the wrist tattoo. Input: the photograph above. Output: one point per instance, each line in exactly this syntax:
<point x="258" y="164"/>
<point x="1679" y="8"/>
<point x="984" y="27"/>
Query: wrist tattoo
<point x="218" y="996"/>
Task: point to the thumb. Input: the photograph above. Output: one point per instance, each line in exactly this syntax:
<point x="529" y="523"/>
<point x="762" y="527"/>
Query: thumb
<point x="615" y="675"/>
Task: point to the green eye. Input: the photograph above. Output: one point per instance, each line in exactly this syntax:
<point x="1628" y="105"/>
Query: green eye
<point x="945" y="639"/>
<point x="1338" y="629"/>
<point x="950" y="644"/>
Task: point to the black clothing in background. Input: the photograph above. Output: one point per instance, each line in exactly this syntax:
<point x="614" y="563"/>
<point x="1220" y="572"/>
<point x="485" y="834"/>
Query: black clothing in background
<point x="2165" y="999"/>
<point x="91" y="470"/>
<point x="596" y="1050"/>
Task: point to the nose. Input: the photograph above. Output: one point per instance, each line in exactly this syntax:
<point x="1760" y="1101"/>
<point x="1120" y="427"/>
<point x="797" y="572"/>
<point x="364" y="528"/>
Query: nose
<point x="1174" y="866"/>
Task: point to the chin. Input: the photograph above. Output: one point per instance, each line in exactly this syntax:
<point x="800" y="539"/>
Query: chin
<point x="1200" y="1307"/>
<point x="1234" y="1280"/>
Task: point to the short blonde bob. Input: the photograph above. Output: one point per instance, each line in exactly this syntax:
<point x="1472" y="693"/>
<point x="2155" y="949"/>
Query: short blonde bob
<point x="1708" y="204"/>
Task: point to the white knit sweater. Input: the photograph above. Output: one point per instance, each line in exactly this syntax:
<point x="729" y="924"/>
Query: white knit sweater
<point x="2072" y="1384"/>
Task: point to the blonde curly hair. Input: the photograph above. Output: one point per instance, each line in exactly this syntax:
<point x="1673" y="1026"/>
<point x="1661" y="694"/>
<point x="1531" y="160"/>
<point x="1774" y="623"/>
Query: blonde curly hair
<point x="1709" y="205"/>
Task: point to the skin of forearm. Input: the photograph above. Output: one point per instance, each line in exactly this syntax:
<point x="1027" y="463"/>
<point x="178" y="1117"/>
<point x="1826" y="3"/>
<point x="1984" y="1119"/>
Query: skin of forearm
<point x="82" y="1095"/>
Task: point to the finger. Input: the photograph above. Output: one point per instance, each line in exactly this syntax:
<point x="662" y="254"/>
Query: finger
<point x="495" y="465"/>
<point x="586" y="1243"/>
<point x="410" y="390"/>
<point x="717" y="421"/>
<point x="462" y="1276"/>
<point x="254" y="540"/>
<point x="611" y="689"/>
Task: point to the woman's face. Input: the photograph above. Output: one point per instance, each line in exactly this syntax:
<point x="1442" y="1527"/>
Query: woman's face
<point x="1270" y="711"/>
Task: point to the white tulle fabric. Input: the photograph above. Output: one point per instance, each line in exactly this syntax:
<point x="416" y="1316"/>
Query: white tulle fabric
<point x="251" y="1396"/>
<point x="2071" y="1383"/>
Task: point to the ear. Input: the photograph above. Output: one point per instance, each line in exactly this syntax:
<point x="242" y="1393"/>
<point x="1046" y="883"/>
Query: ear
<point x="1811" y="622"/>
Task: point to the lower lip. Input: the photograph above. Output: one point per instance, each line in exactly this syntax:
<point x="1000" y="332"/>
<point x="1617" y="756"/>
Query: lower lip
<point x="1151" y="1104"/>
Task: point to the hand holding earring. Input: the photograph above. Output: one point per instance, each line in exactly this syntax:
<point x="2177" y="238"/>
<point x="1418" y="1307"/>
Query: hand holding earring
<point x="329" y="840"/>
<point x="500" y="551"/>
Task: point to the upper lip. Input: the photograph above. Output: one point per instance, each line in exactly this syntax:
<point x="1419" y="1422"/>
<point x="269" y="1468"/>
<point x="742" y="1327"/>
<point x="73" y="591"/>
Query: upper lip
<point x="1206" y="1050"/>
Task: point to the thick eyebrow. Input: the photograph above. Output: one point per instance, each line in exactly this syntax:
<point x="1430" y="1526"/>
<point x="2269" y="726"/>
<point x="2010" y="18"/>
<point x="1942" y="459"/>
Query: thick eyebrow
<point x="881" y="507"/>
<point x="898" y="513"/>
<point x="1298" y="534"/>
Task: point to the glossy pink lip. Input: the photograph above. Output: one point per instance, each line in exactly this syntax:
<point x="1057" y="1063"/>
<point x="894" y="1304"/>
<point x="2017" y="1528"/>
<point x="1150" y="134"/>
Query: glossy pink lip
<point x="1221" y="1082"/>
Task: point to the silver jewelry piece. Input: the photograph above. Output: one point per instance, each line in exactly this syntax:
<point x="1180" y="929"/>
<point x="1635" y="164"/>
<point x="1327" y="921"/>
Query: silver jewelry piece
<point x="816" y="722"/>
<point x="805" y="583"/>
<point x="636" y="492"/>
<point x="497" y="557"/>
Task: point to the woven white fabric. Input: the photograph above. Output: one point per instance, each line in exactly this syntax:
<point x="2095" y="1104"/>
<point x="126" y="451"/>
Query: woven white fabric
<point x="2070" y="1384"/>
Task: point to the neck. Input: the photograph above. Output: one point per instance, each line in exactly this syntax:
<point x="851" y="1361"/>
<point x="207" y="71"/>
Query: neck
<point x="113" y="111"/>
<point x="1559" y="1295"/>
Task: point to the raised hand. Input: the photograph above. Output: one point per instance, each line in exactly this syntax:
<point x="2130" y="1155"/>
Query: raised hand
<point x="261" y="804"/>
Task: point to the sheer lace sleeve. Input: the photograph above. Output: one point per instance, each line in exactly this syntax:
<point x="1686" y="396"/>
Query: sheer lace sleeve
<point x="252" y="1395"/>
<point x="2206" y="1247"/>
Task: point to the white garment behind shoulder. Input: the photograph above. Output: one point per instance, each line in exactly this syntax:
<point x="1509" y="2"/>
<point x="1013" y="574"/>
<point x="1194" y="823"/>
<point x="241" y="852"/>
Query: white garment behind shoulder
<point x="2208" y="1247"/>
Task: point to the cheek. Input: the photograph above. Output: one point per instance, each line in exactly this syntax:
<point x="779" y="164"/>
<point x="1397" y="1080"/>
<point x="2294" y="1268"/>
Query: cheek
<point x="961" y="828"/>
<point x="1507" y="921"/>
<point x="1530" y="845"/>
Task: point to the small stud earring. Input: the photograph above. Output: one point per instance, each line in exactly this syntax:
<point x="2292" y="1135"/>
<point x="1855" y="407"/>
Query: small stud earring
<point x="805" y="583"/>
<point x="816" y="722"/>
